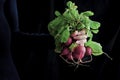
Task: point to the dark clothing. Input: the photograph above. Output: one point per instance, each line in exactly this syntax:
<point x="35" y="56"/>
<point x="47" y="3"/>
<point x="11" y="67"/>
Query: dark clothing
<point x="101" y="68"/>
<point x="7" y="67"/>
<point x="37" y="52"/>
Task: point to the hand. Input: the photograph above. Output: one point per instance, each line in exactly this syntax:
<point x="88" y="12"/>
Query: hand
<point x="80" y="37"/>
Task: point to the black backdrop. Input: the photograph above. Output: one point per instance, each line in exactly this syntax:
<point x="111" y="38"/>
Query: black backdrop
<point x="33" y="52"/>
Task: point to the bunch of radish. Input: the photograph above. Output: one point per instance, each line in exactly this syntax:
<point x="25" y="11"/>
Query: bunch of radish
<point x="73" y="34"/>
<point x="76" y="54"/>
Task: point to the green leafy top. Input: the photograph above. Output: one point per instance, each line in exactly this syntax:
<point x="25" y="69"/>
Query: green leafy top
<point x="64" y="24"/>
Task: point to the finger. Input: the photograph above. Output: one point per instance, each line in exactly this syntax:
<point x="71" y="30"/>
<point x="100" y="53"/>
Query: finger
<point x="74" y="34"/>
<point x="80" y="37"/>
<point x="81" y="42"/>
<point x="82" y="32"/>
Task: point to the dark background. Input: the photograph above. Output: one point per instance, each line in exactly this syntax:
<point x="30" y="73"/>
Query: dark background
<point x="33" y="50"/>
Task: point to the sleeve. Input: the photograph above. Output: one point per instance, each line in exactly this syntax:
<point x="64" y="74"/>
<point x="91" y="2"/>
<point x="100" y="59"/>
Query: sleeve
<point x="11" y="13"/>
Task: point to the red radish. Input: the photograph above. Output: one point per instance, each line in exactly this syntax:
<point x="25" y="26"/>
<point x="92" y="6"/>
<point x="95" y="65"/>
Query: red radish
<point x="88" y="51"/>
<point x="79" y="52"/>
<point x="65" y="51"/>
<point x="69" y="56"/>
<point x="69" y="41"/>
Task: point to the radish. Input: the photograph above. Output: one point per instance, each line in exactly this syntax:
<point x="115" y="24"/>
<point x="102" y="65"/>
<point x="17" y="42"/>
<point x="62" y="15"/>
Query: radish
<point x="69" y="56"/>
<point x="79" y="52"/>
<point x="65" y="51"/>
<point x="69" y="41"/>
<point x="88" y="51"/>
